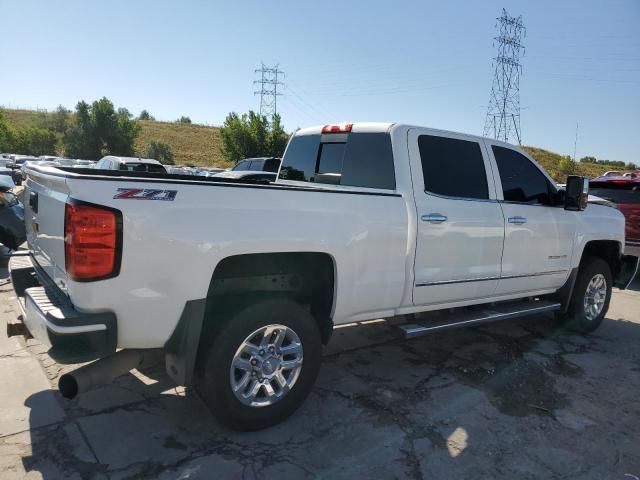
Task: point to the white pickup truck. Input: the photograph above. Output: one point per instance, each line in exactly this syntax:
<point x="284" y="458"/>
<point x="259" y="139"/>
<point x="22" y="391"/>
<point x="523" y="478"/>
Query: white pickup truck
<point x="241" y="283"/>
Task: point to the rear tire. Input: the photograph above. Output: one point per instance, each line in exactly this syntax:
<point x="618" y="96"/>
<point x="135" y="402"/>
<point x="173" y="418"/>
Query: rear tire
<point x="261" y="365"/>
<point x="590" y="298"/>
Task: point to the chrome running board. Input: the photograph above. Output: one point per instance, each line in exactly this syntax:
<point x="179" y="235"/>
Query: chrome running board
<point x="465" y="316"/>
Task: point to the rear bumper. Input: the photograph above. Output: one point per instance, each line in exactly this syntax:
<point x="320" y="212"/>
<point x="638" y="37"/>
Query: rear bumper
<point x="51" y="318"/>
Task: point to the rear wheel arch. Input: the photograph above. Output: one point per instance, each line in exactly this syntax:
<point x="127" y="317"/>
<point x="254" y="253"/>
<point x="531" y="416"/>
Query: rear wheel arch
<point x="306" y="277"/>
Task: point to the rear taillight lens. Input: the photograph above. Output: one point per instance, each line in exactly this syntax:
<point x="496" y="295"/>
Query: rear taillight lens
<point x="92" y="241"/>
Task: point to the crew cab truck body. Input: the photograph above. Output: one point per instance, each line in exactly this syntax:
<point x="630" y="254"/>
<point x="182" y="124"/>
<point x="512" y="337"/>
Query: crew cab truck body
<point x="240" y="283"/>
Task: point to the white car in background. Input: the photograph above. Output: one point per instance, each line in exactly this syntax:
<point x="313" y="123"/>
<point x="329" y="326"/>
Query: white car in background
<point x="131" y="164"/>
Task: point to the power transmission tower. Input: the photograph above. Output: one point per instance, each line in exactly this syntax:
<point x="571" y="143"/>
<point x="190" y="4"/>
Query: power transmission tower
<point x="268" y="92"/>
<point x="503" y="114"/>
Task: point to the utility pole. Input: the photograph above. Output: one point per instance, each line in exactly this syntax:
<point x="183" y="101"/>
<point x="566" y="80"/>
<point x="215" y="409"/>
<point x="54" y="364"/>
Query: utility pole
<point x="268" y="92"/>
<point x="503" y="115"/>
<point x="575" y="145"/>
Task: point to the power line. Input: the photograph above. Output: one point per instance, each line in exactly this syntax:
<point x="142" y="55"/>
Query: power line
<point x="503" y="114"/>
<point x="268" y="92"/>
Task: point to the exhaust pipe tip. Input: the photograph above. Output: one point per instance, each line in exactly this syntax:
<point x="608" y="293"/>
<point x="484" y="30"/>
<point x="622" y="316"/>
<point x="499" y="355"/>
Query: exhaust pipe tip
<point x="68" y="386"/>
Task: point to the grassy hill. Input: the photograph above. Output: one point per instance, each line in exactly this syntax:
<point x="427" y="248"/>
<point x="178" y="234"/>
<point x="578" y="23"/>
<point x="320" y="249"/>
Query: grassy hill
<point x="200" y="145"/>
<point x="191" y="144"/>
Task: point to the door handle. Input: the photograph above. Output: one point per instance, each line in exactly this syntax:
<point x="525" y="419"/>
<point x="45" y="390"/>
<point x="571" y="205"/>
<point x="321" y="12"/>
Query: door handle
<point x="517" y="220"/>
<point x="434" y="218"/>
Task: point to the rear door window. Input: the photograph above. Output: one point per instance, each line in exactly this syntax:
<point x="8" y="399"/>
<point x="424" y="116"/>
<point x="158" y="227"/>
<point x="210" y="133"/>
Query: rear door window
<point x="453" y="167"/>
<point x="356" y="159"/>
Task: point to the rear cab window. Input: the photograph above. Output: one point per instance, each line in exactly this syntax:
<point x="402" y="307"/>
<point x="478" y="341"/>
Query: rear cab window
<point x="355" y="159"/>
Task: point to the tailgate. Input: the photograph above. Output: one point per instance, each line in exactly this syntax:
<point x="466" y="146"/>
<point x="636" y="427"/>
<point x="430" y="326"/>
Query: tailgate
<point x="45" y="196"/>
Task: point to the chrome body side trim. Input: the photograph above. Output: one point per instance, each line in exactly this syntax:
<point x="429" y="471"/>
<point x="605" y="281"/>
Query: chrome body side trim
<point x="485" y="279"/>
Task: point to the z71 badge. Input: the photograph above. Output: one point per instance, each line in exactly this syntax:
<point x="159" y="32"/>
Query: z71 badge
<point x="146" y="194"/>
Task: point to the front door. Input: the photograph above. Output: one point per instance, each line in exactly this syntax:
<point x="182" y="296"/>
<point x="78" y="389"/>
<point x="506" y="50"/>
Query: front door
<point x="460" y="227"/>
<point x="538" y="234"/>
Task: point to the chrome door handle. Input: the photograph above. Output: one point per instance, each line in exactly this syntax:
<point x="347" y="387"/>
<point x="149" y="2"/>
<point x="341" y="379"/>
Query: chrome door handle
<point x="434" y="218"/>
<point x="517" y="220"/>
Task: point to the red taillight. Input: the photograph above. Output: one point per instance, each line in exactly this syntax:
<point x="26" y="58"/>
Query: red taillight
<point x="91" y="241"/>
<point x="343" y="128"/>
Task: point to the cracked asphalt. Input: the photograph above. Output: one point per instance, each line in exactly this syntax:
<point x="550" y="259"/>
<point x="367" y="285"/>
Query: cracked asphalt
<point x="516" y="399"/>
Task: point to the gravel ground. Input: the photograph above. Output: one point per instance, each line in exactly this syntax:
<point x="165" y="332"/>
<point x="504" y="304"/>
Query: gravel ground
<point x="516" y="399"/>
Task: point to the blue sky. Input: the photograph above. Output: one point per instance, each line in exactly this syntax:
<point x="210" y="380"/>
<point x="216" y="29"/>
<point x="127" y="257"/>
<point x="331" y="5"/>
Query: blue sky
<point x="421" y="62"/>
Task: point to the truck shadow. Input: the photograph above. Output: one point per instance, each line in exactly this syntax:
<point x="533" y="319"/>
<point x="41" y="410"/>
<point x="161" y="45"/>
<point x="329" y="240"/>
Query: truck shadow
<point x="382" y="407"/>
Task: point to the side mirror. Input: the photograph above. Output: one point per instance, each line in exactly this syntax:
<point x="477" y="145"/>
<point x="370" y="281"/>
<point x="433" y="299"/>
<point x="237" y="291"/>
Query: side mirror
<point x="576" y="193"/>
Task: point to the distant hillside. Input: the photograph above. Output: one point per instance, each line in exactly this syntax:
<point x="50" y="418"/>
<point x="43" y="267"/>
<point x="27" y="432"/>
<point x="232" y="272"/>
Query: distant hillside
<point x="200" y="145"/>
<point x="551" y="163"/>
<point x="191" y="144"/>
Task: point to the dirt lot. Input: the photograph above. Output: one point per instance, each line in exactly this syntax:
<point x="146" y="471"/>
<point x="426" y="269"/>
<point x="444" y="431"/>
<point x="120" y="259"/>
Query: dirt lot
<point x="519" y="399"/>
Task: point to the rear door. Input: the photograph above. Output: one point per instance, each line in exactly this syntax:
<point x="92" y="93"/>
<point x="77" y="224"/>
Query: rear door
<point x="460" y="228"/>
<point x="539" y="235"/>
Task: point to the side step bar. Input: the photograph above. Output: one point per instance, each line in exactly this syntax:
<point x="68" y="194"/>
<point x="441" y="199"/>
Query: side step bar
<point x="466" y="317"/>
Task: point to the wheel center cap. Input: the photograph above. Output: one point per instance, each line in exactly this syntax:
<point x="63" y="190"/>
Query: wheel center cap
<point x="270" y="365"/>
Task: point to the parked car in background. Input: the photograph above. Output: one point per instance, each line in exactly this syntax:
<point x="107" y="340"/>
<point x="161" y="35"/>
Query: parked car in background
<point x="612" y="173"/>
<point x="132" y="164"/>
<point x="259" y="164"/>
<point x="247" y="175"/>
<point x="624" y="192"/>
<point x="12" y="231"/>
<point x="6" y="178"/>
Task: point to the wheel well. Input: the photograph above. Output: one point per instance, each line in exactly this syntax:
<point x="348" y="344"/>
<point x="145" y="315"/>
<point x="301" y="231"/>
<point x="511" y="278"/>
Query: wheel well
<point x="307" y="277"/>
<point x="608" y="250"/>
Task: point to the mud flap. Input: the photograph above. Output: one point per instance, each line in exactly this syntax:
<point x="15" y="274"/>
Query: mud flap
<point x="182" y="347"/>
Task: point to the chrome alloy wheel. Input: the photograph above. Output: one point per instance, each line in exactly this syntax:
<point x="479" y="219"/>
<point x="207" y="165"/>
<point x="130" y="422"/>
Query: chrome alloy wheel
<point x="595" y="296"/>
<point x="266" y="366"/>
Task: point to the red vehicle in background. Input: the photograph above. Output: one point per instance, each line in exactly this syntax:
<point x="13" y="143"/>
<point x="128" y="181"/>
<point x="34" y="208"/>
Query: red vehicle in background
<point x="624" y="191"/>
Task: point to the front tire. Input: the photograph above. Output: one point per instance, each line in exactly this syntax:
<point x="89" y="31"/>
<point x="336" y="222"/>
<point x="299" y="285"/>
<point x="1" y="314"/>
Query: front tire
<point x="591" y="296"/>
<point x="261" y="365"/>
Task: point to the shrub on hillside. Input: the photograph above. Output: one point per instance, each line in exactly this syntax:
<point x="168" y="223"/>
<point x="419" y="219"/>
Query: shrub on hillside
<point x="26" y="140"/>
<point x="183" y="119"/>
<point x="160" y="151"/>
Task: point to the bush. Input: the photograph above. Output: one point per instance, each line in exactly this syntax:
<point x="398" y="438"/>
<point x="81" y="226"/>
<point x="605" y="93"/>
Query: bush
<point x="26" y="140"/>
<point x="252" y="135"/>
<point x="160" y="151"/>
<point x="183" y="119"/>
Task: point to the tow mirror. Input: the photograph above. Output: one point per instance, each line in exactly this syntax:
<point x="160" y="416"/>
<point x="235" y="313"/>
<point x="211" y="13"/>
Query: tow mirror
<point x="576" y="193"/>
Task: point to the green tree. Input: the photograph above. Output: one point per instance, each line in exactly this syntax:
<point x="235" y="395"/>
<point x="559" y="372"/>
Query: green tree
<point x="99" y="130"/>
<point x="252" y="135"/>
<point x="145" y="115"/>
<point x="160" y="151"/>
<point x="183" y="119"/>
<point x="60" y="119"/>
